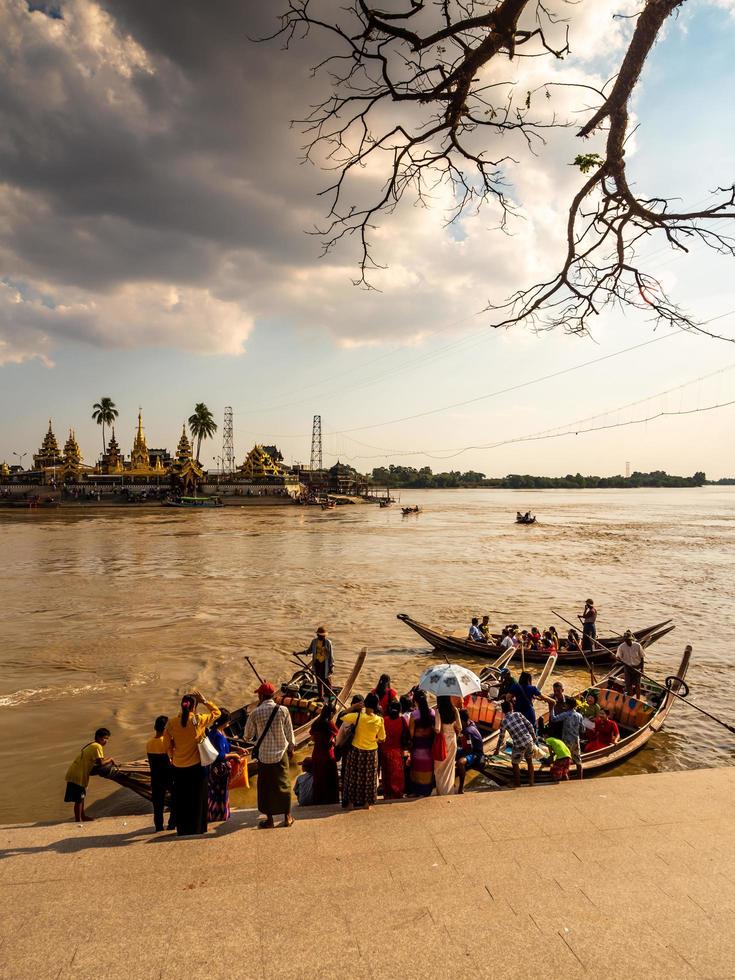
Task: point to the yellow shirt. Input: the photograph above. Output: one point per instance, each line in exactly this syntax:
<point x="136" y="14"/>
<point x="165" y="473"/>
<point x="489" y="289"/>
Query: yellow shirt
<point x="370" y="729"/>
<point x="156" y="745"/>
<point x="81" y="768"/>
<point x="181" y="743"/>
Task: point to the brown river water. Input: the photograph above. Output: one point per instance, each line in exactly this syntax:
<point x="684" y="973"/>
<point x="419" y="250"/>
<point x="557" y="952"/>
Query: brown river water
<point x="108" y="616"/>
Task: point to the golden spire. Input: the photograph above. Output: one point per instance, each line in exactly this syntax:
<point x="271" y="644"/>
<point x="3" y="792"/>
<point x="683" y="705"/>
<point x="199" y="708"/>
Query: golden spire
<point x="139" y="458"/>
<point x="183" y="450"/>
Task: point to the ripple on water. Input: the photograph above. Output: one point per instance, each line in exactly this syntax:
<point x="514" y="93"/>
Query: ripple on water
<point x="108" y="620"/>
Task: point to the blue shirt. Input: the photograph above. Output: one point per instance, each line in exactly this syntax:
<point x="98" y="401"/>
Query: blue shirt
<point x="220" y="743"/>
<point x="572" y="724"/>
<point x="524" y="695"/>
<point x="476" y="634"/>
<point x="473" y="736"/>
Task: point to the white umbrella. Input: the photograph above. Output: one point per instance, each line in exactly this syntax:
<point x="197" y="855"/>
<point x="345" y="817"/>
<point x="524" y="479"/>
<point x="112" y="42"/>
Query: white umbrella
<point x="451" y="680"/>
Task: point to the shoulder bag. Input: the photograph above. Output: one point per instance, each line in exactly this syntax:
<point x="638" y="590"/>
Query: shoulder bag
<point x="207" y="752"/>
<point x="439" y="746"/>
<point x="256" y="747"/>
<point x="345" y="736"/>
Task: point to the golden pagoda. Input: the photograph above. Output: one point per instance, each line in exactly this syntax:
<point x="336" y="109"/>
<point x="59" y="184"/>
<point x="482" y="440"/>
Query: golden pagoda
<point x="184" y="469"/>
<point x="4" y="469"/>
<point x="259" y="465"/>
<point x="72" y="465"/>
<point x="112" y="461"/>
<point x="49" y="455"/>
<point x="139" y="458"/>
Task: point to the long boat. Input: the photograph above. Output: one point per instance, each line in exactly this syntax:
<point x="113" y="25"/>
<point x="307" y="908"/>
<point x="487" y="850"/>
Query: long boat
<point x="298" y="694"/>
<point x="443" y="640"/>
<point x="198" y="502"/>
<point x="637" y="719"/>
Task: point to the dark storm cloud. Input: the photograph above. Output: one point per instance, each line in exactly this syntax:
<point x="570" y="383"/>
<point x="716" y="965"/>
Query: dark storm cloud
<point x="150" y="186"/>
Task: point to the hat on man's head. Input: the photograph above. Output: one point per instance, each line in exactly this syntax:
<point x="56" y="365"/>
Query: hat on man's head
<point x="266" y="689"/>
<point x="321" y="629"/>
<point x="628" y="633"/>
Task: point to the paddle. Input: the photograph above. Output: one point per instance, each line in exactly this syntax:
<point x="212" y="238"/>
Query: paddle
<point x="681" y="697"/>
<point x="250" y="664"/>
<point x="324" y="684"/>
<point x="579" y="646"/>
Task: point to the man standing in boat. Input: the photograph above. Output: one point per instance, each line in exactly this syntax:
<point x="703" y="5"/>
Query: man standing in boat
<point x="630" y="654"/>
<point x="322" y="661"/>
<point x="589" y="625"/>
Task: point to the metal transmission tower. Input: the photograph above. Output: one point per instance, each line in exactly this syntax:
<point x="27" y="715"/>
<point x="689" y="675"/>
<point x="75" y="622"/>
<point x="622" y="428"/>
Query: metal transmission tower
<point x="228" y="443"/>
<point x="316" y="443"/>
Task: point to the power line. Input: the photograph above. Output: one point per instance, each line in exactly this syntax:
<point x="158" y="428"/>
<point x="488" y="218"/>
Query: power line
<point x="572" y="427"/>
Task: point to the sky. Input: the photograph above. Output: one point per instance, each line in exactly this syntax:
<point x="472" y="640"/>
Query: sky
<point x="155" y="213"/>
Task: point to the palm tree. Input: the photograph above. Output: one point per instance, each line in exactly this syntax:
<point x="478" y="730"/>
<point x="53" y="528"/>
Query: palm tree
<point x="201" y="425"/>
<point x="104" y="413"/>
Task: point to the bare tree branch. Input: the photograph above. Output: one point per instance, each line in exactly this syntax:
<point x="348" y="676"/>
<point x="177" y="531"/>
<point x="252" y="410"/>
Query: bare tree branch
<point x="419" y="91"/>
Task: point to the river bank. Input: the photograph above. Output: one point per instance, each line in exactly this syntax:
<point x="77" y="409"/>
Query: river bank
<point x="110" y="616"/>
<point x="629" y="876"/>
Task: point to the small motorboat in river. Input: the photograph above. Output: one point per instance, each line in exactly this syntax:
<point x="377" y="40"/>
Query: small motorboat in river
<point x="197" y="502"/>
<point x="410" y="510"/>
<point x="527" y="518"/>
<point x="443" y="640"/>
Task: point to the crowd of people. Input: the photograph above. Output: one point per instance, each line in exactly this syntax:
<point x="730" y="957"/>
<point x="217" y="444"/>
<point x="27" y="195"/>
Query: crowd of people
<point x="547" y="641"/>
<point x="512" y="636"/>
<point x="381" y="743"/>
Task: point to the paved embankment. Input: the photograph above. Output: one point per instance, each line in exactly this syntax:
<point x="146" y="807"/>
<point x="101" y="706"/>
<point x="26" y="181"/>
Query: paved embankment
<point x="631" y="876"/>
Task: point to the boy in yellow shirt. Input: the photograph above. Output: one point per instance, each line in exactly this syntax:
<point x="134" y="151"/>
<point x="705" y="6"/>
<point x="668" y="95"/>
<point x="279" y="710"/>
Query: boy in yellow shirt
<point x="90" y="757"/>
<point x="161" y="778"/>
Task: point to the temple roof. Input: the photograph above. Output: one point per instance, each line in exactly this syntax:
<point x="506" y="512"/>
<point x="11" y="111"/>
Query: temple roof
<point x="71" y="447"/>
<point x="112" y="447"/>
<point x="183" y="450"/>
<point x="49" y="446"/>
<point x="259" y="464"/>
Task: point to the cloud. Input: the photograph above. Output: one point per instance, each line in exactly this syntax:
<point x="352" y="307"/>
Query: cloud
<point x="151" y="191"/>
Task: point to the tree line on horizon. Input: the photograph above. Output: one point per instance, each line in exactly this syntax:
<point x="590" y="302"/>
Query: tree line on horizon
<point x="409" y="477"/>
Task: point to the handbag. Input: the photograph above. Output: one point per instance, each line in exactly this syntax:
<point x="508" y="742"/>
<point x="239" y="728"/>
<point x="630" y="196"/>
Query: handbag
<point x="439" y="746"/>
<point x="207" y="752"/>
<point x="345" y="736"/>
<point x="256" y="747"/>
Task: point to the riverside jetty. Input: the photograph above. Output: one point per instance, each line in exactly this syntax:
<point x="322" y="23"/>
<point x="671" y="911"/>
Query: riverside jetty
<point x="620" y="876"/>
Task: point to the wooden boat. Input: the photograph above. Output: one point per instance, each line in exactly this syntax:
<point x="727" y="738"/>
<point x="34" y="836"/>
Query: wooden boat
<point x="486" y="713"/>
<point x="637" y="719"/>
<point x="524" y="519"/>
<point x="411" y="510"/>
<point x="194" y="502"/>
<point x="298" y="694"/>
<point x="443" y="640"/>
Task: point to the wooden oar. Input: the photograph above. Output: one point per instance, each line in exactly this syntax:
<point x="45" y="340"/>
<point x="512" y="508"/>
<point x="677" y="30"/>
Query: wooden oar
<point x="324" y="684"/>
<point x="681" y="697"/>
<point x="579" y="646"/>
<point x="250" y="664"/>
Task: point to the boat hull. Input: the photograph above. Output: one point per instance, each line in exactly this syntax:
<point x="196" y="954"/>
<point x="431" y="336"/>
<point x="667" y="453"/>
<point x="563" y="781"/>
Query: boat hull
<point x="442" y="640"/>
<point x="647" y="723"/>
<point x="137" y="776"/>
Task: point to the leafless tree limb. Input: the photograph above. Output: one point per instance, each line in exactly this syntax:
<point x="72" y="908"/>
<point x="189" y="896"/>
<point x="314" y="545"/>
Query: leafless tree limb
<point x="418" y="89"/>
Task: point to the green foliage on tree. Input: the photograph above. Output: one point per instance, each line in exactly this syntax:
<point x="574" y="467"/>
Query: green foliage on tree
<point x="409" y="477"/>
